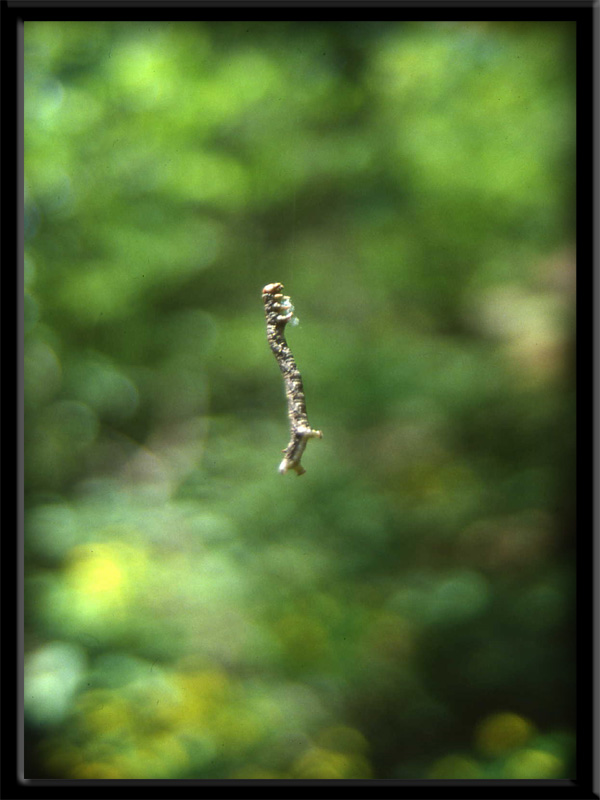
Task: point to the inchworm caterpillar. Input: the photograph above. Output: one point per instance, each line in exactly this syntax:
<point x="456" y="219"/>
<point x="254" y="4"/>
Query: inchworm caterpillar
<point x="279" y="311"/>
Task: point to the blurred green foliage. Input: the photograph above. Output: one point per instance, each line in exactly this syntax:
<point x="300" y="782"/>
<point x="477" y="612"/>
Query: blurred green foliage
<point x="405" y="609"/>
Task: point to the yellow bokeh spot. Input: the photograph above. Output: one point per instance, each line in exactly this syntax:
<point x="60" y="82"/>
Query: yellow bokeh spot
<point x="455" y="767"/>
<point x="105" y="713"/>
<point x="502" y="732"/>
<point x="102" y="575"/>
<point x="319" y="763"/>
<point x="201" y="694"/>
<point x="236" y="727"/>
<point x="533" y="765"/>
<point x="252" y="772"/>
<point x="96" y="771"/>
<point x="162" y="757"/>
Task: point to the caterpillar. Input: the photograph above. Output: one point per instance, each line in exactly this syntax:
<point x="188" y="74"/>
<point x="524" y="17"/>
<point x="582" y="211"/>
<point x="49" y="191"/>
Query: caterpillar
<point x="279" y="311"/>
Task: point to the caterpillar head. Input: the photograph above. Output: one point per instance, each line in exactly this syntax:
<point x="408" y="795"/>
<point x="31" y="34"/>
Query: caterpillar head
<point x="272" y="288"/>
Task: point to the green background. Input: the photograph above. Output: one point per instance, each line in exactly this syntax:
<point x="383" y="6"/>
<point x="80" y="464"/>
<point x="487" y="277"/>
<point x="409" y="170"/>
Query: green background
<point x="403" y="610"/>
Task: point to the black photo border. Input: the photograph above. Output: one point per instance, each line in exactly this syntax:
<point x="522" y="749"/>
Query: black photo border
<point x="14" y="13"/>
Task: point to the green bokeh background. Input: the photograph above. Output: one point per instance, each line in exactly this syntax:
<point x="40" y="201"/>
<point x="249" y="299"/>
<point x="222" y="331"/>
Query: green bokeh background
<point x="403" y="610"/>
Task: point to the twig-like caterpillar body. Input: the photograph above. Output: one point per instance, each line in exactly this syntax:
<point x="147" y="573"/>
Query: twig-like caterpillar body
<point x="279" y="311"/>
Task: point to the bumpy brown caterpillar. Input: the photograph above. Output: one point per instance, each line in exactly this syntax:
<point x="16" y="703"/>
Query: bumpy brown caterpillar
<point x="279" y="311"/>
